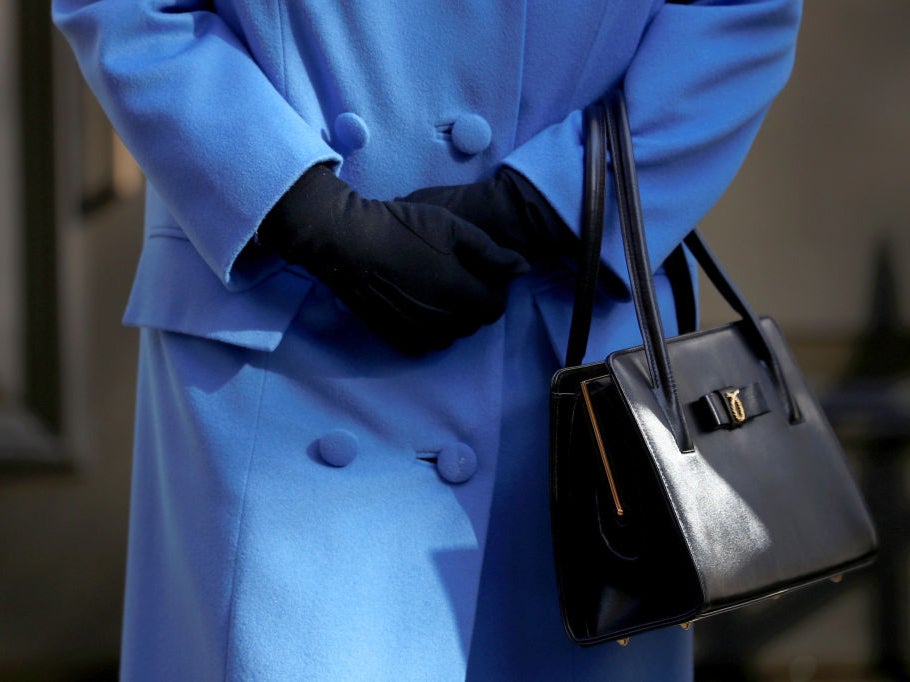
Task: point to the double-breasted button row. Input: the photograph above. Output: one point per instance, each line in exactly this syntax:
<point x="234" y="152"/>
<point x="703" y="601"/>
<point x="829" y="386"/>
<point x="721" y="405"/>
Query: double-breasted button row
<point x="470" y="133"/>
<point x="455" y="462"/>
<point x="351" y="130"/>
<point x="339" y="447"/>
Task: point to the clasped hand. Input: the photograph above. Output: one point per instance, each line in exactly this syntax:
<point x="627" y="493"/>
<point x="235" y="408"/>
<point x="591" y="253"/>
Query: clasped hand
<point x="418" y="275"/>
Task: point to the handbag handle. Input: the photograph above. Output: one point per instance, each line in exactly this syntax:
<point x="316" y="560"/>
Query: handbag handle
<point x="611" y="121"/>
<point x="595" y="178"/>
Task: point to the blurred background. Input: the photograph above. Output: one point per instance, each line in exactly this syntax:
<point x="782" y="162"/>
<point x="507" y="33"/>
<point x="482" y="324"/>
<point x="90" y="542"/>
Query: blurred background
<point x="815" y="230"/>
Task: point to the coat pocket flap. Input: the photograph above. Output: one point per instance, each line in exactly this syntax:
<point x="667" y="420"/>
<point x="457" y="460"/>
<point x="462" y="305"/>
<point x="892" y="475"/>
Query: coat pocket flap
<point x="175" y="291"/>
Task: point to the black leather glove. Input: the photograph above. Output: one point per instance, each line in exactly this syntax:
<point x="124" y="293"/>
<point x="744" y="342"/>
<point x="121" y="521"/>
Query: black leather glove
<point x="509" y="209"/>
<point x="417" y="275"/>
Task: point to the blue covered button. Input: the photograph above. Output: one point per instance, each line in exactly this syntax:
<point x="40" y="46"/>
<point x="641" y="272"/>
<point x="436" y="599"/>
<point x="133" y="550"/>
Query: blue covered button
<point x="456" y="463"/>
<point x="471" y="134"/>
<point x="351" y="130"/>
<point x="338" y="447"/>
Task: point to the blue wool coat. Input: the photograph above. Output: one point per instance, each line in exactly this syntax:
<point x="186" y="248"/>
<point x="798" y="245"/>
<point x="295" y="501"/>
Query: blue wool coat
<point x="307" y="502"/>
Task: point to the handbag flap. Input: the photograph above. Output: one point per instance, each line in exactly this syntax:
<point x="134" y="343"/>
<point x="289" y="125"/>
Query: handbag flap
<point x="762" y="503"/>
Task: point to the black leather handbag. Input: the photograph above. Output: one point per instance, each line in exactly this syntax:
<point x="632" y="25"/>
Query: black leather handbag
<point x="690" y="475"/>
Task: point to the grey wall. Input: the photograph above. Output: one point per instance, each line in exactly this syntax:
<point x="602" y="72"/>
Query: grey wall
<point x="827" y="180"/>
<point x="10" y="347"/>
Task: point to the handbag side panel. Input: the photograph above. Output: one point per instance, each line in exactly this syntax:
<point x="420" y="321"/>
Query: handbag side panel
<point x="617" y="575"/>
<point x="765" y="505"/>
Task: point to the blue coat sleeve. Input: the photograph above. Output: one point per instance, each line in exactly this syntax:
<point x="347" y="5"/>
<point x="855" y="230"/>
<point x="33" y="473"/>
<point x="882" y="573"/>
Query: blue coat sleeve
<point x="213" y="134"/>
<point x="698" y="88"/>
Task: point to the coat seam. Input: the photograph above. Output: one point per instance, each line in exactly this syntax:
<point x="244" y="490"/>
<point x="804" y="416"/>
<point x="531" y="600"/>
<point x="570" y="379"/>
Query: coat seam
<point x="229" y="622"/>
<point x="283" y="47"/>
<point x="587" y="59"/>
<point x="516" y="114"/>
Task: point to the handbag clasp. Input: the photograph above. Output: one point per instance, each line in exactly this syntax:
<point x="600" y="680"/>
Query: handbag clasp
<point x="737" y="409"/>
<point x="730" y="407"/>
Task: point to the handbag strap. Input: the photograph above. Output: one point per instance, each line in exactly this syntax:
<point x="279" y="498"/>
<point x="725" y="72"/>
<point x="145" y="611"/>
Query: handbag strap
<point x="595" y="171"/>
<point x="611" y="122"/>
<point x="641" y="279"/>
<point x="755" y="333"/>
<point x="595" y="178"/>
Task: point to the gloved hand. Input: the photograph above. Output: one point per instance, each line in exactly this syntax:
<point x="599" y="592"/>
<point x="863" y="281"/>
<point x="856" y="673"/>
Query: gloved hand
<point x="417" y="275"/>
<point x="509" y="209"/>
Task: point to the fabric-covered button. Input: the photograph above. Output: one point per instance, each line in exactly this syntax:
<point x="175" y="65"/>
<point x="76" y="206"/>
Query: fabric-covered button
<point x="456" y="463"/>
<point x="351" y="130"/>
<point x="338" y="447"/>
<point x="471" y="134"/>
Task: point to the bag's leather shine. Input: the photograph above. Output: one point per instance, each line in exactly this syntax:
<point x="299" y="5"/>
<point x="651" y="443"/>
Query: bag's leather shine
<point x="690" y="475"/>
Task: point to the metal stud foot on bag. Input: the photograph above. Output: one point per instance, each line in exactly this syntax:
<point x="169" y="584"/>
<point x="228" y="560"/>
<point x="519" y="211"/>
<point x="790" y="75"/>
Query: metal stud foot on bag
<point x="837" y="578"/>
<point x="623" y="642"/>
<point x="686" y="625"/>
